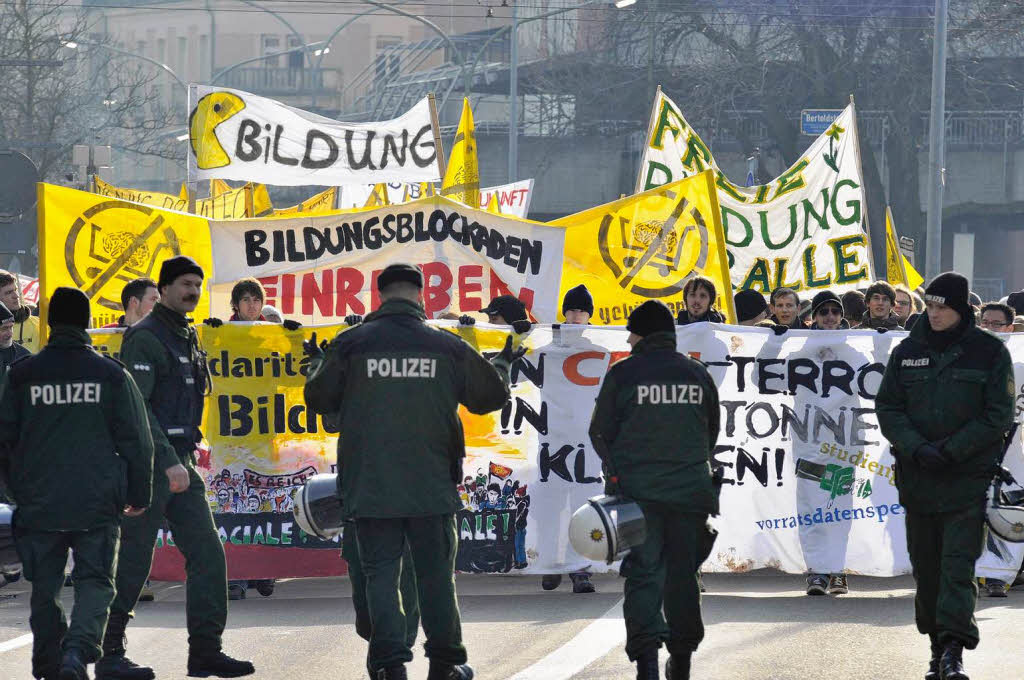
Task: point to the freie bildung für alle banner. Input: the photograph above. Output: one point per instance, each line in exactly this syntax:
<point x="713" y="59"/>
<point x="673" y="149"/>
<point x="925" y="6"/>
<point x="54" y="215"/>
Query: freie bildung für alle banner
<point x="804" y="229"/>
<point x="323" y="268"/>
<point x="808" y="481"/>
<point x="237" y="135"/>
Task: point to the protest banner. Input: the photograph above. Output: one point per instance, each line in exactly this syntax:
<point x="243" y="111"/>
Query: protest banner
<point x="29" y="289"/>
<point x="808" y="480"/>
<point x="224" y="204"/>
<point x="646" y="247"/>
<point x="98" y="244"/>
<point x="804" y="229"/>
<point x="323" y="268"/>
<point x="320" y="203"/>
<point x="240" y="136"/>
<point x="513" y="199"/>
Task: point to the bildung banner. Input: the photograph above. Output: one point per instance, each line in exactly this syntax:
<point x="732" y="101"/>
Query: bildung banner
<point x="323" y="268"/>
<point x="803" y="230"/>
<point x="808" y="476"/>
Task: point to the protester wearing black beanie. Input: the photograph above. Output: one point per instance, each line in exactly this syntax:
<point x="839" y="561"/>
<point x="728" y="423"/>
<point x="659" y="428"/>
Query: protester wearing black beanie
<point x="174" y="267"/>
<point x="749" y="305"/>
<point x="578" y="298"/>
<point x="651" y="317"/>
<point x="69" y="307"/>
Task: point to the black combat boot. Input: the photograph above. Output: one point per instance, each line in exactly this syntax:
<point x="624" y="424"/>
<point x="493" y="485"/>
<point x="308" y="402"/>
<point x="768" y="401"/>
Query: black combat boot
<point x="447" y="671"/>
<point x="678" y="667"/>
<point x="72" y="667"/>
<point x="392" y="673"/>
<point x="115" y="665"/>
<point x="933" y="665"/>
<point x="952" y="664"/>
<point x="647" y="666"/>
<point x="218" y="665"/>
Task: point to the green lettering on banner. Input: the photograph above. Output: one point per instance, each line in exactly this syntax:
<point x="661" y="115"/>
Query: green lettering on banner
<point x="728" y="187"/>
<point x="757" y="277"/>
<point x="665" y="122"/>
<point x="780" y="275"/>
<point x="845" y="259"/>
<point x="854" y="216"/>
<point x="791" y="180"/>
<point x="698" y="156"/>
<point x="651" y="167"/>
<point x="748" y="231"/>
<point x="763" y="215"/>
<point x="809" y="272"/>
<point x="809" y="211"/>
<point x="762" y="194"/>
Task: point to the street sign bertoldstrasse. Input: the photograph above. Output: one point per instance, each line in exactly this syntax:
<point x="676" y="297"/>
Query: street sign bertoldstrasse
<point x="814" y="122"/>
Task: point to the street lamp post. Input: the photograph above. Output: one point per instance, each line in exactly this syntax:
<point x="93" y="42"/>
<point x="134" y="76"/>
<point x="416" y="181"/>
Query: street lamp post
<point x="73" y="45"/>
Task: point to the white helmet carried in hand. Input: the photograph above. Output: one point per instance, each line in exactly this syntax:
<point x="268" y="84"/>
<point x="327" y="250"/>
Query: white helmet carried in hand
<point x="606" y="528"/>
<point x="318" y="508"/>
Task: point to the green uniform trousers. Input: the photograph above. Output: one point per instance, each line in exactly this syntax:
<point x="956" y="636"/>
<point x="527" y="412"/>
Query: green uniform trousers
<point x="943" y="548"/>
<point x="195" y="535"/>
<point x="432" y="542"/>
<point x="357" y="577"/>
<point x="662" y="574"/>
<point x="44" y="554"/>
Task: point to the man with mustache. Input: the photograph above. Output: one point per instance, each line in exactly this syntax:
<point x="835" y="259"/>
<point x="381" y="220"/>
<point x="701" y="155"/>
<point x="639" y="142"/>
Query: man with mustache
<point x="163" y="355"/>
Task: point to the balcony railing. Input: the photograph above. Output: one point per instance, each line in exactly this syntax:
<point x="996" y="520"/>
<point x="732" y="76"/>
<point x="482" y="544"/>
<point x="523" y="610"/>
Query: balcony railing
<point x="283" y="82"/>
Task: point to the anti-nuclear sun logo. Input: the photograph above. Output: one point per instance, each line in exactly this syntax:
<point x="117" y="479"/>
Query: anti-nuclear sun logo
<point x="101" y="255"/>
<point x="653" y="258"/>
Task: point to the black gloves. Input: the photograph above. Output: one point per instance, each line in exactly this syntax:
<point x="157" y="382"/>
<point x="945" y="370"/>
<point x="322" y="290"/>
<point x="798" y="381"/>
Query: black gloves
<point x="882" y="330"/>
<point x="779" y="329"/>
<point x="291" y="325"/>
<point x="353" y="319"/>
<point x="213" y="322"/>
<point x="930" y="457"/>
<point x="521" y="327"/>
<point x="507" y="355"/>
<point x="311" y="349"/>
<point x="467" y="320"/>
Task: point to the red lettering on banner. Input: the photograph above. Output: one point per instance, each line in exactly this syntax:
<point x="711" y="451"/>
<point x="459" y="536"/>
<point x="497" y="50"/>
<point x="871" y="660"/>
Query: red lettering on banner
<point x="322" y="294"/>
<point x="374" y="293"/>
<point x="288" y="294"/>
<point x="525" y="295"/>
<point x="436" y="297"/>
<point x="270" y="288"/>
<point x="348" y="281"/>
<point x="467" y="303"/>
<point x="571" y="367"/>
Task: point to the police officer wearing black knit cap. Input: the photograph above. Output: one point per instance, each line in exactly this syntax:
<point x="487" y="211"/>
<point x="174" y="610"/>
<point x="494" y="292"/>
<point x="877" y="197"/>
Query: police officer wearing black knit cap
<point x="163" y="354"/>
<point x="75" y="453"/>
<point x="394" y="385"/>
<point x="655" y="425"/>
<point x="945" y="404"/>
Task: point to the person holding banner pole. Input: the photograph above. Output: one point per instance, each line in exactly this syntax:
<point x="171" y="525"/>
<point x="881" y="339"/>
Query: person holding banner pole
<point x="945" y="404"/>
<point x="394" y="384"/>
<point x="654" y="426"/>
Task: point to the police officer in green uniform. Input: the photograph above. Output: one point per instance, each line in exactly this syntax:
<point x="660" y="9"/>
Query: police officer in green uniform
<point x="395" y="384"/>
<point x="655" y="425"/>
<point x="163" y="354"/>
<point x="76" y="453"/>
<point x="945" y="404"/>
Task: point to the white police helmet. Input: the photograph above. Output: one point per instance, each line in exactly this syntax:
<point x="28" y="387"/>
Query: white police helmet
<point x="1003" y="510"/>
<point x="318" y="508"/>
<point x="606" y="528"/>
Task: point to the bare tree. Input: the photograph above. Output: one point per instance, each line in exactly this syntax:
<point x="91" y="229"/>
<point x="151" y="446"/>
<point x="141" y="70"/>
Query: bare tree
<point x="54" y="97"/>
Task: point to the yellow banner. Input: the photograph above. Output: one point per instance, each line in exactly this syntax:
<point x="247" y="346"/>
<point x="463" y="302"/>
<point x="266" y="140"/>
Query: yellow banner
<point x="227" y="205"/>
<point x="645" y="247"/>
<point x="321" y="203"/>
<point x="897" y="267"/>
<point x="99" y="244"/>
<point x="462" y="178"/>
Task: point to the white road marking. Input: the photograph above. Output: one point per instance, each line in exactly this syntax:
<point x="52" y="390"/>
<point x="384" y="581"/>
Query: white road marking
<point x="589" y="645"/>
<point x="19" y="641"/>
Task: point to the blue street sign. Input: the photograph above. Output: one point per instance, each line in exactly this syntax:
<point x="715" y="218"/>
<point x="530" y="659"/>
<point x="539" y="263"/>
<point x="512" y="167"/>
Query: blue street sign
<point x="815" y="121"/>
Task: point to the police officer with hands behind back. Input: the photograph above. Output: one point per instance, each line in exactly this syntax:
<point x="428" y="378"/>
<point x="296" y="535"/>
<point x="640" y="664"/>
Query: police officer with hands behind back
<point x="162" y="352"/>
<point x="945" y="405"/>
<point x="395" y="385"/>
<point x="655" y="425"/>
<point x="75" y="453"/>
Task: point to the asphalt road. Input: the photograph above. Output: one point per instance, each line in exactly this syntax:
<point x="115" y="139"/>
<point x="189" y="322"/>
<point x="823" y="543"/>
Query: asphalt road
<point x="760" y="626"/>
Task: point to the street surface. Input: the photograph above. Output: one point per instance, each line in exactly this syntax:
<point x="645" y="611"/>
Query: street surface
<point x="760" y="626"/>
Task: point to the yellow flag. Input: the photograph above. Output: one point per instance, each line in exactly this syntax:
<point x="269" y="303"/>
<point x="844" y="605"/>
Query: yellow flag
<point x="493" y="205"/>
<point x="645" y="247"/>
<point x="897" y="267"/>
<point x="218" y="187"/>
<point x="320" y="203"/>
<point x="99" y="244"/>
<point x="183" y="193"/>
<point x="462" y="178"/>
<point x="378" y="197"/>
